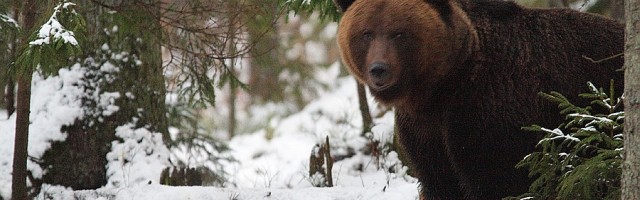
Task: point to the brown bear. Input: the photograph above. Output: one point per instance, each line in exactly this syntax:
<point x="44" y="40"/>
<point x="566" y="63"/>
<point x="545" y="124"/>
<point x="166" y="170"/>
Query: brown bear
<point x="463" y="78"/>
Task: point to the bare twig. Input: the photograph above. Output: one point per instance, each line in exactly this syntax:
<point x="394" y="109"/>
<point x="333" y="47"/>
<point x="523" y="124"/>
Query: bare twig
<point x="604" y="59"/>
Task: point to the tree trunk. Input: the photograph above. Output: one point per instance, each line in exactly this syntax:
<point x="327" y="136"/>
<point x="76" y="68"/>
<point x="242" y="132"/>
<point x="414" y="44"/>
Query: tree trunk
<point x="367" y="122"/>
<point x="631" y="166"/>
<point x="19" y="178"/>
<point x="140" y="86"/>
<point x="9" y="97"/>
<point x="233" y="91"/>
<point x="265" y="66"/>
<point x="617" y="10"/>
<point x="19" y="174"/>
<point x="9" y="85"/>
<point x="150" y="90"/>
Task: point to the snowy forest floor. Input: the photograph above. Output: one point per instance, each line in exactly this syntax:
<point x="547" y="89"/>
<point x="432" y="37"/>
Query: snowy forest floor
<point x="268" y="167"/>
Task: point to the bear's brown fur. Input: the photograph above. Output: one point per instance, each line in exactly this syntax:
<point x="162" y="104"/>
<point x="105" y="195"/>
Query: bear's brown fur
<point x="463" y="77"/>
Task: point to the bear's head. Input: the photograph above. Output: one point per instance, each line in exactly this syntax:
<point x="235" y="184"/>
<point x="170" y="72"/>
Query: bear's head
<point x="403" y="49"/>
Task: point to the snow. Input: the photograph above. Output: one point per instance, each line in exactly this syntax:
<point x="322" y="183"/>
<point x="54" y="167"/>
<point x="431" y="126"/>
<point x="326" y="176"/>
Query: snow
<point x="306" y="30"/>
<point x="282" y="162"/>
<point x="159" y="192"/>
<point x="315" y="52"/>
<point x="275" y="168"/>
<point x="294" y="52"/>
<point x="7" y="128"/>
<point x="108" y="99"/>
<point x="55" y="102"/>
<point x="7" y="19"/>
<point x="330" y="31"/>
<point x="558" y="135"/>
<point x="138" y="160"/>
<point x="596" y="120"/>
<point x="52" y="30"/>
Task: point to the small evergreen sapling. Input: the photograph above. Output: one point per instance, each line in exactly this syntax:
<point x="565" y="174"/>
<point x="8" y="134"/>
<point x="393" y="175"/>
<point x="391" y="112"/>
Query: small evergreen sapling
<point x="582" y="157"/>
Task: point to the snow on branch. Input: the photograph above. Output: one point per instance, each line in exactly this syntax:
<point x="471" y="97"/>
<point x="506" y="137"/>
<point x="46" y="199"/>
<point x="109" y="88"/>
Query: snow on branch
<point x="7" y="21"/>
<point x="52" y="30"/>
<point x="54" y="44"/>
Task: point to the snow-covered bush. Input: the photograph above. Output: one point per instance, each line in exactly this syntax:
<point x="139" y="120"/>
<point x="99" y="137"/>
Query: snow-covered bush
<point x="138" y="159"/>
<point x="581" y="158"/>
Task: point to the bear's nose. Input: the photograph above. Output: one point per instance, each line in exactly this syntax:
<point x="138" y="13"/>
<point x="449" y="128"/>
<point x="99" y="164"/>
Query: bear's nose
<point x="379" y="71"/>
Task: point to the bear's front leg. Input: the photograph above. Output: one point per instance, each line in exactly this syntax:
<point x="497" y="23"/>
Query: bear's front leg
<point x="422" y="141"/>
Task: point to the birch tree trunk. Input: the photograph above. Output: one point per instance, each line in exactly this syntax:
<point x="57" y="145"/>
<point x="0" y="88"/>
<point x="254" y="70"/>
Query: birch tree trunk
<point x="631" y="166"/>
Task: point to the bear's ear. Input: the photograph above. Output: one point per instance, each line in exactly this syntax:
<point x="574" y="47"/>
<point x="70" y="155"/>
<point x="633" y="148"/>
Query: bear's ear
<point x="343" y="4"/>
<point x="439" y="4"/>
<point x="443" y="7"/>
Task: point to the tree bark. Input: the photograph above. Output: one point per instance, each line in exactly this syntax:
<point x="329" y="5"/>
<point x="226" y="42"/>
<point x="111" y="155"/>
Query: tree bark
<point x="9" y="86"/>
<point x="9" y="97"/>
<point x="141" y="88"/>
<point x="631" y="165"/>
<point x="367" y="122"/>
<point x="19" y="174"/>
<point x="265" y="66"/>
<point x="233" y="91"/>
<point x="617" y="10"/>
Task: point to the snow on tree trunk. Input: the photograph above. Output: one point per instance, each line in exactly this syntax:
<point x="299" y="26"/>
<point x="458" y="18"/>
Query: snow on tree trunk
<point x="138" y="160"/>
<point x="125" y="87"/>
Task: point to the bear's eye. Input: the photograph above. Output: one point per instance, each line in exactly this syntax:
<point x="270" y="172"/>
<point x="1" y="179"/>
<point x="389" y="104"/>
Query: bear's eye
<point x="367" y="35"/>
<point x="398" y="35"/>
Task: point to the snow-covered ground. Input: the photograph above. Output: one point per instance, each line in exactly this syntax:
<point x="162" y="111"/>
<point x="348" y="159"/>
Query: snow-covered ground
<point x="159" y="192"/>
<point x="269" y="167"/>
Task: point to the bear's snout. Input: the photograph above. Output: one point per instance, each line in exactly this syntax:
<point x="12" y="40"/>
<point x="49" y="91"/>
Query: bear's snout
<point x="380" y="74"/>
